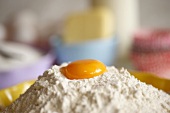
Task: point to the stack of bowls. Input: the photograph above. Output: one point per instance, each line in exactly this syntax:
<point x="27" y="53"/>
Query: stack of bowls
<point x="151" y="52"/>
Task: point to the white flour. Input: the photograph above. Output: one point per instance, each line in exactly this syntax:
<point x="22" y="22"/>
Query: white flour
<point x="113" y="92"/>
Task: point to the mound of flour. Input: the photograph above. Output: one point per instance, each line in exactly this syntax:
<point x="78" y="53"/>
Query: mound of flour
<point x="116" y="91"/>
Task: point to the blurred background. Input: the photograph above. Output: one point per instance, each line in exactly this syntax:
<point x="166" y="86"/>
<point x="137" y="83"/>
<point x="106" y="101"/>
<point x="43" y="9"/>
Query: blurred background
<point x="34" y="35"/>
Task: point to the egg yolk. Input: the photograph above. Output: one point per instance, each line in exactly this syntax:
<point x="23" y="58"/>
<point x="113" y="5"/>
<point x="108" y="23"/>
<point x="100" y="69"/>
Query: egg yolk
<point x="83" y="69"/>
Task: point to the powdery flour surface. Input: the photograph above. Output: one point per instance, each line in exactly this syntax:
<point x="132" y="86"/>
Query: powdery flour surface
<point x="116" y="91"/>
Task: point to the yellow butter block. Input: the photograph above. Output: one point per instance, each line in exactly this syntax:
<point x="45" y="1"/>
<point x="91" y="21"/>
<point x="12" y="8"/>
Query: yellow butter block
<point x="92" y="24"/>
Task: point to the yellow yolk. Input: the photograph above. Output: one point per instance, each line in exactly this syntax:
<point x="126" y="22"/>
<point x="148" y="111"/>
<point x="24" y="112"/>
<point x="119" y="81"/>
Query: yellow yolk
<point x="83" y="69"/>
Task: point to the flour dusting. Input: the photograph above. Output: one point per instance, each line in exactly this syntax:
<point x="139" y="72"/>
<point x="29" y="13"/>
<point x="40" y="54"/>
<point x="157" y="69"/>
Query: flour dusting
<point x="115" y="91"/>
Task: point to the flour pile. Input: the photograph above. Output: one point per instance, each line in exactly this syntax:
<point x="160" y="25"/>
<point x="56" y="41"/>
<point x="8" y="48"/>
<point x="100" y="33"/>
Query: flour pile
<point x="116" y="91"/>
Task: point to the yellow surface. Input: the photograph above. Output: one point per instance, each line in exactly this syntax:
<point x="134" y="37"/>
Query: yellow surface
<point x="149" y="78"/>
<point x="92" y="24"/>
<point x="8" y="95"/>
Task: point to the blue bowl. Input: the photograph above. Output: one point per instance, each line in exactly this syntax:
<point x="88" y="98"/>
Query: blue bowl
<point x="104" y="50"/>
